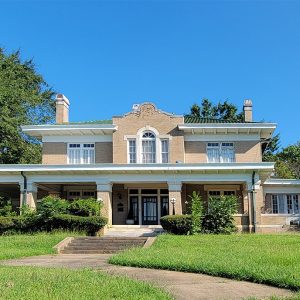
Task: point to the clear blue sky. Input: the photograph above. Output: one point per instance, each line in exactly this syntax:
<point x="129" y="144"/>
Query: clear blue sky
<point x="106" y="55"/>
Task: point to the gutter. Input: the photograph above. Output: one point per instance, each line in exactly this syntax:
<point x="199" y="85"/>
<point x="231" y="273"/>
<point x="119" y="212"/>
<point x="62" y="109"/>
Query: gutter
<point x="24" y="198"/>
<point x="253" y="201"/>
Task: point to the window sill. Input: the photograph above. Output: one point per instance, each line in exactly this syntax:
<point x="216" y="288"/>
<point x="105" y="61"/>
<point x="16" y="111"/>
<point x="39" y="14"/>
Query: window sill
<point x="281" y="215"/>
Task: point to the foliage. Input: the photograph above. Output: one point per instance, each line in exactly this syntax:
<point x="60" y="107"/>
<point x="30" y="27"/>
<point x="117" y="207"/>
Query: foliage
<point x="271" y="148"/>
<point x="6" y="208"/>
<point x="37" y="283"/>
<point x="197" y="212"/>
<point x="21" y="245"/>
<point x="177" y="224"/>
<point x="51" y="205"/>
<point x="222" y="111"/>
<point x="271" y="259"/>
<point x="90" y="225"/>
<point x="85" y="207"/>
<point x="219" y="217"/>
<point x="25" y="98"/>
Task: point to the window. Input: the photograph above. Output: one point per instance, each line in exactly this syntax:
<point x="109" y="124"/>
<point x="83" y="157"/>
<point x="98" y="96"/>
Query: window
<point x="221" y="193"/>
<point x="132" y="151"/>
<point x="285" y="204"/>
<point x="148" y="147"/>
<point x="275" y="204"/>
<point x="164" y="151"/>
<point x="81" y="153"/>
<point x="220" y="152"/>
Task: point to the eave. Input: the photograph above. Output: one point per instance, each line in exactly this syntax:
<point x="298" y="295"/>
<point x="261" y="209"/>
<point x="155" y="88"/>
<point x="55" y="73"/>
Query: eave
<point x="39" y="131"/>
<point x="265" y="130"/>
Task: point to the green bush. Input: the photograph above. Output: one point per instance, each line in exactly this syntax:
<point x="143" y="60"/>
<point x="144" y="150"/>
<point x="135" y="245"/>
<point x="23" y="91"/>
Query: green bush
<point x="85" y="207"/>
<point x="6" y="208"/>
<point x="91" y="225"/>
<point x="50" y="206"/>
<point x="197" y="212"/>
<point x="219" y="217"/>
<point x="177" y="224"/>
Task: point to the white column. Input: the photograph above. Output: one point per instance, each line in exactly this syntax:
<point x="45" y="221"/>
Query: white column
<point x="175" y="193"/>
<point x="104" y="194"/>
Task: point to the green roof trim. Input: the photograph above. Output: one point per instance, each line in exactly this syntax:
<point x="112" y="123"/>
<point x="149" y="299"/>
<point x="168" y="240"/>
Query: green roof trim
<point x="189" y="119"/>
<point x="91" y="122"/>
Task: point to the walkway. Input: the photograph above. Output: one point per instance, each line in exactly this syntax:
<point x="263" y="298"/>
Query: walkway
<point x="180" y="285"/>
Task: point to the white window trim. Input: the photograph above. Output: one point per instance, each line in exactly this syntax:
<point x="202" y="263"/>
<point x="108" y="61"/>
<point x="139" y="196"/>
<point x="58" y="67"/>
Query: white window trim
<point x="220" y="150"/>
<point x="285" y="213"/>
<point x="81" y="148"/>
<point x="138" y="139"/>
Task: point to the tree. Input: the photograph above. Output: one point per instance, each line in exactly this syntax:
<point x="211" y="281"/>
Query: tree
<point x="25" y="98"/>
<point x="289" y="160"/>
<point x="222" y="111"/>
<point x="271" y="148"/>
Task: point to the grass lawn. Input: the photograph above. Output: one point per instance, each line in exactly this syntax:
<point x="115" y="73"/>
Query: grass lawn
<point x="41" y="283"/>
<point x="20" y="245"/>
<point x="271" y="259"/>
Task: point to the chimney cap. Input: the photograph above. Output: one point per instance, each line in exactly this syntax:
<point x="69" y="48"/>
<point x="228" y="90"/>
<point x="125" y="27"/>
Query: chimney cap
<point x="62" y="97"/>
<point x="248" y="103"/>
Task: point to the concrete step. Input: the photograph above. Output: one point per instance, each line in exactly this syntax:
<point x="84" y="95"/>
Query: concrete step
<point x="98" y="251"/>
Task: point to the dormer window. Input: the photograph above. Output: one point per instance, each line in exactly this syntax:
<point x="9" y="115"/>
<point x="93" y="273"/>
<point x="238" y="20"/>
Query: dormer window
<point x="220" y="152"/>
<point x="81" y="153"/>
<point x="148" y="147"/>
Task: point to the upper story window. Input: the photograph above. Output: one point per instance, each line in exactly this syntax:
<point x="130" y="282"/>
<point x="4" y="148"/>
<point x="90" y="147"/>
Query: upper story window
<point x="81" y="153"/>
<point x="147" y="148"/>
<point x="285" y="204"/>
<point x="220" y="152"/>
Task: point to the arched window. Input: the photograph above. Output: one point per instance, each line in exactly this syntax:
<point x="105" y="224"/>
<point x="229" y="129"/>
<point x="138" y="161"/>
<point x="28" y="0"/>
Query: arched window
<point x="148" y="147"/>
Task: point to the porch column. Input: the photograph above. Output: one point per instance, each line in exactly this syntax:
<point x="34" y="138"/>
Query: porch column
<point x="104" y="194"/>
<point x="28" y="195"/>
<point x="249" y="205"/>
<point x="175" y="193"/>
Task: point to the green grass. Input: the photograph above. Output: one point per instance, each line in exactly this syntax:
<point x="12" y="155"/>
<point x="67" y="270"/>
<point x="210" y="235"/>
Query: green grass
<point x="42" y="283"/>
<point x="21" y="245"/>
<point x="270" y="259"/>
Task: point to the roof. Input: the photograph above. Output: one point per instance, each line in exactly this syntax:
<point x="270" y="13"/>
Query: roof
<point x="193" y="119"/>
<point x="90" y="122"/>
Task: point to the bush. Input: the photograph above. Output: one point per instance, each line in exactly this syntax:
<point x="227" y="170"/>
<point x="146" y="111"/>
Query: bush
<point x="50" y="206"/>
<point x="85" y="207"/>
<point x="177" y="224"/>
<point x="197" y="212"/>
<point x="219" y="218"/>
<point x="91" y="225"/>
<point x="6" y="208"/>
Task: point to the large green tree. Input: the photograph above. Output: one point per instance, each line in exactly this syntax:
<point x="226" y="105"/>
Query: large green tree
<point x="25" y="98"/>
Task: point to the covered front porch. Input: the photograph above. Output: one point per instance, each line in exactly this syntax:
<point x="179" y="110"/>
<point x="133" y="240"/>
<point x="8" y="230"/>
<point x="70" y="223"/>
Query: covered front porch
<point x="142" y="194"/>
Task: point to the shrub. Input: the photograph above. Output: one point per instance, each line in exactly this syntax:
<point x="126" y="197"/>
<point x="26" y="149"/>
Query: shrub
<point x="197" y="211"/>
<point x="90" y="225"/>
<point x="6" y="208"/>
<point x="51" y="205"/>
<point x="219" y="217"/>
<point x="177" y="224"/>
<point x="85" y="207"/>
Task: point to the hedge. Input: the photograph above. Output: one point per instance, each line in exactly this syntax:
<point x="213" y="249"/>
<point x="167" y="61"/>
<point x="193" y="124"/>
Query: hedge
<point x="34" y="223"/>
<point x="177" y="224"/>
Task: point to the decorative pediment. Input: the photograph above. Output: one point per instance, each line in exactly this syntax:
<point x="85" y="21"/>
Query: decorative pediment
<point x="146" y="109"/>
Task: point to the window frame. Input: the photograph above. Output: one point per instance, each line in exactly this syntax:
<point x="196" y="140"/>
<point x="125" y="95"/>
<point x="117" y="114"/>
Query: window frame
<point x="82" y="150"/>
<point x="220" y="147"/>
<point x="291" y="204"/>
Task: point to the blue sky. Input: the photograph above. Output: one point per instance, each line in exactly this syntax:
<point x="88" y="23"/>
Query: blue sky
<point x="106" y="55"/>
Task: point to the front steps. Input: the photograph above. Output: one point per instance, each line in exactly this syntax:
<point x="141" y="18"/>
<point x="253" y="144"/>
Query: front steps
<point x="134" y="231"/>
<point x="102" y="245"/>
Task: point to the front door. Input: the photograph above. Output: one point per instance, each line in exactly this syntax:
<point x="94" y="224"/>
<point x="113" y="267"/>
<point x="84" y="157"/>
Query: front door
<point x="149" y="216"/>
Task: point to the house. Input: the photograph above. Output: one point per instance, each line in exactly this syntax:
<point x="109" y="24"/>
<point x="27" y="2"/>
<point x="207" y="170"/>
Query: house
<point x="149" y="160"/>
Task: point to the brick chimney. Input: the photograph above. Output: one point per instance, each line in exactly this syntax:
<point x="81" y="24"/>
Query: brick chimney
<point x="248" y="110"/>
<point x="62" y="109"/>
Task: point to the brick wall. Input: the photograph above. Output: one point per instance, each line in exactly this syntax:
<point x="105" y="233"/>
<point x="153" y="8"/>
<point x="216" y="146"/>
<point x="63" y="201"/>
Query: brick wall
<point x="54" y="153"/>
<point x="104" y="152"/>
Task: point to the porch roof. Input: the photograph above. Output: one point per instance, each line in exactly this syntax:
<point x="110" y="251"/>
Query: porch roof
<point x="264" y="167"/>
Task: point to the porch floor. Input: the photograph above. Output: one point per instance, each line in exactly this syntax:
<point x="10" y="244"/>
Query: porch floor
<point x="134" y="230"/>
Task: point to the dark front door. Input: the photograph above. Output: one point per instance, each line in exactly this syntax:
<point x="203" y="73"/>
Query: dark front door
<point x="149" y="216"/>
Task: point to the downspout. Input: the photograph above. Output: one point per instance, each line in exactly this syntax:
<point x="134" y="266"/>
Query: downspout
<point x="253" y="201"/>
<point x="24" y="192"/>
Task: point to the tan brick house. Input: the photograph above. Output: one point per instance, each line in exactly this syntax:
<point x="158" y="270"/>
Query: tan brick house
<point x="146" y="158"/>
